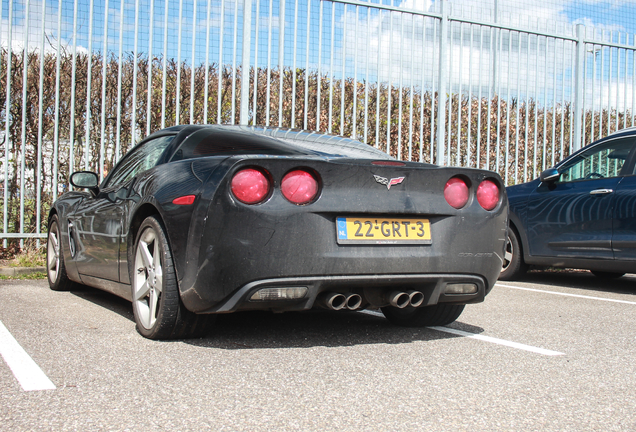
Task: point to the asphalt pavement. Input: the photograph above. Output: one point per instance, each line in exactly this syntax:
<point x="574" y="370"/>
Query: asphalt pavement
<point x="553" y="352"/>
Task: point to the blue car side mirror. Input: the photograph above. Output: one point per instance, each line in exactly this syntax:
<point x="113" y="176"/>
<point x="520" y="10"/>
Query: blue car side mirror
<point x="550" y="175"/>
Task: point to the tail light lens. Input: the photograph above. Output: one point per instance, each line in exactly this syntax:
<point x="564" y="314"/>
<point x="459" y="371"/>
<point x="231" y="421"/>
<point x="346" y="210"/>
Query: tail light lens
<point x="456" y="192"/>
<point x="488" y="194"/>
<point x="250" y="186"/>
<point x="299" y="187"/>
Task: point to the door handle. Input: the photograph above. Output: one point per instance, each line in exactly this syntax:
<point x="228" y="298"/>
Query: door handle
<point x="601" y="191"/>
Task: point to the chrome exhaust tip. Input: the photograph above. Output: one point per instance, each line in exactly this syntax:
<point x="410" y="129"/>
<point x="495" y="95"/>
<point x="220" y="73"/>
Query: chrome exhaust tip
<point x="416" y="298"/>
<point x="399" y="299"/>
<point x="353" y="301"/>
<point x="333" y="301"/>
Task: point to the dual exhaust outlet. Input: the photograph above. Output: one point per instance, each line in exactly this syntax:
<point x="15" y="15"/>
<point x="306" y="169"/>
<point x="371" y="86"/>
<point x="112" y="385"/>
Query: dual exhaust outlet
<point x="398" y="299"/>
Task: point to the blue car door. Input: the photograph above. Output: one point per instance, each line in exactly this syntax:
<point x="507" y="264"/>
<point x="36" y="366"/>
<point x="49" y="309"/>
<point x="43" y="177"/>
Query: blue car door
<point x="624" y="226"/>
<point x="573" y="217"/>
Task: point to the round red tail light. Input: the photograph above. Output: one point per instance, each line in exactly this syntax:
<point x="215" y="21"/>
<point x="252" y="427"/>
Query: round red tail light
<point x="456" y="192"/>
<point x="488" y="194"/>
<point x="299" y="187"/>
<point x="250" y="186"/>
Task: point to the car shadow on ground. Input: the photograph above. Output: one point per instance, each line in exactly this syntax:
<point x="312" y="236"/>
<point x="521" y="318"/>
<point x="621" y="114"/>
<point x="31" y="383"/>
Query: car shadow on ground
<point x="262" y="330"/>
<point x="266" y="330"/>
<point x="581" y="279"/>
<point x="106" y="300"/>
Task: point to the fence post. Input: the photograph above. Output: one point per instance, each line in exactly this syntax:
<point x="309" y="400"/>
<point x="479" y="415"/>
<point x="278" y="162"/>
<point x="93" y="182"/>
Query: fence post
<point x="245" y="71"/>
<point x="578" y="87"/>
<point x="441" y="87"/>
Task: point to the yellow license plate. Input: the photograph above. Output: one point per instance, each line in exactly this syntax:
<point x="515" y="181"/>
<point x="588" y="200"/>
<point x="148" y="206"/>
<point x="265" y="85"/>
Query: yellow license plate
<point x="355" y="230"/>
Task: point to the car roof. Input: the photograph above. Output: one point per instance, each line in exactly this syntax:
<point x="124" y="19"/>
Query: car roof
<point x="295" y="140"/>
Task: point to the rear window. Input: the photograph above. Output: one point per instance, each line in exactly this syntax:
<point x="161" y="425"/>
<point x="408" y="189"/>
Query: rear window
<point x="212" y="142"/>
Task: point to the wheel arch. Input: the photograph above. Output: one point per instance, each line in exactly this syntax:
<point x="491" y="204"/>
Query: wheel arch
<point x="514" y="223"/>
<point x="144" y="211"/>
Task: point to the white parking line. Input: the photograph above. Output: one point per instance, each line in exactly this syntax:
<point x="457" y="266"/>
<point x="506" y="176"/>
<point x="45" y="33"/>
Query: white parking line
<point x="26" y="371"/>
<point x="566" y="294"/>
<point x="483" y="338"/>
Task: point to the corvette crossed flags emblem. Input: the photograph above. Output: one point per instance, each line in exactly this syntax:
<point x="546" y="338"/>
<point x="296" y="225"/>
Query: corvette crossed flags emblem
<point x="387" y="182"/>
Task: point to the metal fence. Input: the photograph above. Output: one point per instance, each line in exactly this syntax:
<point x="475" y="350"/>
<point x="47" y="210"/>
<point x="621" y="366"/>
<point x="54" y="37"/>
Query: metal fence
<point x="82" y="82"/>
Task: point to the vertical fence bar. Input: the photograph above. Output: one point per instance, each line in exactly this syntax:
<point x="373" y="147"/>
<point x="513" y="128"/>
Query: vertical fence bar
<point x="307" y="36"/>
<point x="527" y="111"/>
<point x="354" y="115"/>
<point x="545" y="103"/>
<point x="536" y="115"/>
<point x="479" y="83"/>
<point x="38" y="186"/>
<point x="366" y="80"/>
<point x="281" y="58"/>
<point x="422" y="94"/>
<point x="378" y="88"/>
<point x="441" y="85"/>
<point x="133" y="114"/>
<point x="517" y="121"/>
<point x="71" y="154"/>
<point x="103" y="119"/>
<point x="89" y="81"/>
<point x="234" y="40"/>
<point x="578" y="101"/>
<point x="554" y="94"/>
<point x="333" y="20"/>
<point x="459" y="93"/>
<point x="318" y="76"/>
<point x="150" y="60"/>
<point x="412" y="79"/>
<point x="269" y="63"/>
<point x="165" y="62"/>
<point x="7" y="121"/>
<point x="245" y="63"/>
<point x="400" y="103"/>
<point x="509" y="81"/>
<point x="221" y="65"/>
<point x="470" y="95"/>
<point x="25" y="76"/>
<point x="344" y="71"/>
<point x="119" y="79"/>
<point x="193" y="64"/>
<point x="389" y="88"/>
<point x="294" y="53"/>
<point x="178" y="89"/>
<point x="56" y="129"/>
<point x="206" y="89"/>
<point x="257" y="33"/>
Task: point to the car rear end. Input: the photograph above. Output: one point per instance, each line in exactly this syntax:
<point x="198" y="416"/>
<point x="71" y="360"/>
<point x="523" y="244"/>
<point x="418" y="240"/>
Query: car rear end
<point x="290" y="233"/>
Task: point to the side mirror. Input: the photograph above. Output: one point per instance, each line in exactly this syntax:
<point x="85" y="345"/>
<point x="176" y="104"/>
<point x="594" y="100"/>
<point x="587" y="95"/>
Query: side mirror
<point x="550" y="175"/>
<point x="86" y="180"/>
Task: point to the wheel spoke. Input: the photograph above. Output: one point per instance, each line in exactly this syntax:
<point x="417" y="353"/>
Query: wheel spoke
<point x="142" y="291"/>
<point x="153" y="302"/>
<point x="145" y="255"/>
<point x="508" y="256"/>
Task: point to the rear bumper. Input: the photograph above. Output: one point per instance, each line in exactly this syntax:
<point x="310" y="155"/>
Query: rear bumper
<point x="373" y="290"/>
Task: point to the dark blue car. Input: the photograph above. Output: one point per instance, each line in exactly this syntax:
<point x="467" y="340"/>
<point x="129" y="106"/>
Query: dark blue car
<point x="579" y="214"/>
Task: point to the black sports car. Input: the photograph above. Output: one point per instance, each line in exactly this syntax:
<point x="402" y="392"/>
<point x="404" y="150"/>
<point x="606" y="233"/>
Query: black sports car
<point x="579" y="214"/>
<point x="202" y="220"/>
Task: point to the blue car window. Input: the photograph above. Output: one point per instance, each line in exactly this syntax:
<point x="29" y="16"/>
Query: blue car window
<point x="601" y="161"/>
<point x="139" y="160"/>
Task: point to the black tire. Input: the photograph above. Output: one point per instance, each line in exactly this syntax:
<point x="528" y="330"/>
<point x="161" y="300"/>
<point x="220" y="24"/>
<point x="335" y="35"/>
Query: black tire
<point x="157" y="307"/>
<point x="513" y="266"/>
<point x="606" y="275"/>
<point x="55" y="267"/>
<point x="437" y="315"/>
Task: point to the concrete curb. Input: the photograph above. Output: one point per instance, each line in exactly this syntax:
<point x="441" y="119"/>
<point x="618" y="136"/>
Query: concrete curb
<point x="20" y="271"/>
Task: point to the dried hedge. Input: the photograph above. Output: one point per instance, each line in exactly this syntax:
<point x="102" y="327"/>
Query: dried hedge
<point x="373" y="113"/>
